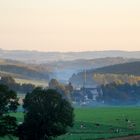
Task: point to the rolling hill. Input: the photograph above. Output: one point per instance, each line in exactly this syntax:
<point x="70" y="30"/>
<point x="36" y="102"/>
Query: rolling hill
<point x="44" y="57"/>
<point x="63" y="70"/>
<point x="21" y="70"/>
<point x="131" y="68"/>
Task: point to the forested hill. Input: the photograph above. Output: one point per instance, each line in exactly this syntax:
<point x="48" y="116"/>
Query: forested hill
<point x="132" y="68"/>
<point x="63" y="70"/>
<point x="81" y="64"/>
<point x="119" y="72"/>
<point x="19" y="69"/>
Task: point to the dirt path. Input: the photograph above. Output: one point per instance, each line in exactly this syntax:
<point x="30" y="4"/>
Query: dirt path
<point x="127" y="138"/>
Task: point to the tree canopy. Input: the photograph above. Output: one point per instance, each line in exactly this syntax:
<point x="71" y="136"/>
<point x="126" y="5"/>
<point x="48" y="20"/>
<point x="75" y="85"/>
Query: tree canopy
<point x="64" y="89"/>
<point x="8" y="103"/>
<point x="47" y="114"/>
<point x="120" y="94"/>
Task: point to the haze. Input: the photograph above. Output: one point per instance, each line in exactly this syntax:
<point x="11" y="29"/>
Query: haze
<point x="70" y="25"/>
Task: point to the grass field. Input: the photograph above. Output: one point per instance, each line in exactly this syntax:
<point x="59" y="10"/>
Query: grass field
<point x="104" y="123"/>
<point x="95" y="123"/>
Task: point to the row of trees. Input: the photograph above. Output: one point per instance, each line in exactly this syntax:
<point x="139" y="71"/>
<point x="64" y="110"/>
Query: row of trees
<point x="11" y="83"/>
<point x="47" y="114"/>
<point x="25" y="88"/>
<point x="117" y="78"/>
<point x="94" y="78"/>
<point x="118" y="94"/>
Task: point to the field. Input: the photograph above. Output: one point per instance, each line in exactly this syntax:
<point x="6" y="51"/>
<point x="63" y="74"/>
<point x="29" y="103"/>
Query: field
<point x="104" y="123"/>
<point x="95" y="123"/>
<point x="34" y="82"/>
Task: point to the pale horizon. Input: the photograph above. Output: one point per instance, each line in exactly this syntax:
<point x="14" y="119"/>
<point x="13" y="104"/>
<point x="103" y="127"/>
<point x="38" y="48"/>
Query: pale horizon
<point x="70" y="26"/>
<point x="61" y="51"/>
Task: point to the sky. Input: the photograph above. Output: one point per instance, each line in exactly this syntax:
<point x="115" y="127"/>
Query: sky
<point x="70" y="25"/>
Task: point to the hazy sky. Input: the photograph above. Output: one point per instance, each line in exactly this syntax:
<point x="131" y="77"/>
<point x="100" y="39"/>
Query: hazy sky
<point x="70" y="25"/>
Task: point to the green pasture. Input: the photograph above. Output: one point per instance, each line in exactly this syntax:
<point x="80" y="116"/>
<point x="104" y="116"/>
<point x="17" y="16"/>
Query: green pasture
<point x="112" y="122"/>
<point x="109" y="116"/>
<point x="95" y="123"/>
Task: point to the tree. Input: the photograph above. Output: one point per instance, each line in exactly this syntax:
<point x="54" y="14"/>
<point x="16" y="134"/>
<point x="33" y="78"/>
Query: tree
<point x="47" y="115"/>
<point x="53" y="84"/>
<point x="65" y="90"/>
<point x="8" y="103"/>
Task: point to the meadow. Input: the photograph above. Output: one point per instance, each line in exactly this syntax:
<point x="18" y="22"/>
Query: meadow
<point x="100" y="123"/>
<point x="97" y="123"/>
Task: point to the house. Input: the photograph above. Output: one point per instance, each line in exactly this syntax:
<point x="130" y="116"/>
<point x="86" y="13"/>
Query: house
<point x="85" y="94"/>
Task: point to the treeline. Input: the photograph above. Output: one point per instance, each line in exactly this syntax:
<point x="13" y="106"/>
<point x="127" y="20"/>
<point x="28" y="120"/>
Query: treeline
<point x="103" y="79"/>
<point x="11" y="83"/>
<point x="119" y="94"/>
<point x="99" y="79"/>
<point x="64" y="89"/>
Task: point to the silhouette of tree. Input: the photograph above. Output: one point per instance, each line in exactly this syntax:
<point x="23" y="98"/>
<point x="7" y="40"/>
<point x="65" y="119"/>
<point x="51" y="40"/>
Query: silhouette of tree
<point x="47" y="114"/>
<point x="8" y="103"/>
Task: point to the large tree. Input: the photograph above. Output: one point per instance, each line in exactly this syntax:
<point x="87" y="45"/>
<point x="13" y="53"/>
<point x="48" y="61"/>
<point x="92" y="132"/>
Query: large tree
<point x="8" y="103"/>
<point x="65" y="90"/>
<point x="47" y="114"/>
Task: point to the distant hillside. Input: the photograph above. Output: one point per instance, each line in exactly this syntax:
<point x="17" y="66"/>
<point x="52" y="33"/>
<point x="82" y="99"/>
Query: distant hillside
<point x="90" y="63"/>
<point x="43" y="57"/>
<point x="61" y="70"/>
<point x="64" y="69"/>
<point x="132" y="68"/>
<point x="108" y="72"/>
<point x="19" y="69"/>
